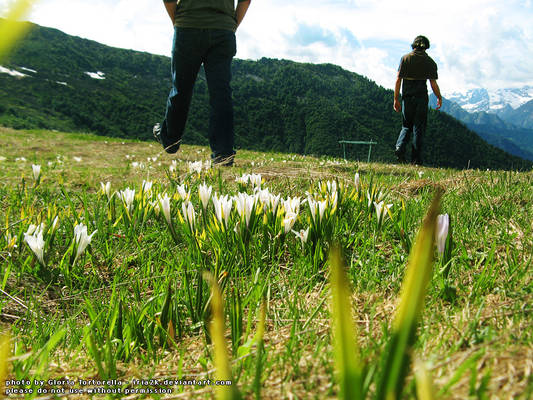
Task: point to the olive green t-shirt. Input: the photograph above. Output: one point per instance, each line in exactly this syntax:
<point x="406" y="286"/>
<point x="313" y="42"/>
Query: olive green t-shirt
<point x="205" y="14"/>
<point x="415" y="68"/>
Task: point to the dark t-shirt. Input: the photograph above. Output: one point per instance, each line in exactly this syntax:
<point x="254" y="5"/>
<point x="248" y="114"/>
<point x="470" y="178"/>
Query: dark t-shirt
<point x="205" y="14"/>
<point x="415" y="68"/>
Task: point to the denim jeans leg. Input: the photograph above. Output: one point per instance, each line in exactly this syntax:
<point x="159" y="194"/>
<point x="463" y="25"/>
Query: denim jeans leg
<point x="217" y="66"/>
<point x="185" y="64"/>
<point x="407" y="127"/>
<point x="419" y="129"/>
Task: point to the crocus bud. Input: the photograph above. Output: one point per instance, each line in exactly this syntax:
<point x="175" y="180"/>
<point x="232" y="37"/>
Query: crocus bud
<point x="443" y="225"/>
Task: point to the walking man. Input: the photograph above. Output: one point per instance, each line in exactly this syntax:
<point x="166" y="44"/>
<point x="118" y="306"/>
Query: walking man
<point x="415" y="68"/>
<point x="204" y="33"/>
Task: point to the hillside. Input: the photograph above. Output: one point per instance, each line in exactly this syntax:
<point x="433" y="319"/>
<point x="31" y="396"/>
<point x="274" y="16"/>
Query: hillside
<point x="76" y="84"/>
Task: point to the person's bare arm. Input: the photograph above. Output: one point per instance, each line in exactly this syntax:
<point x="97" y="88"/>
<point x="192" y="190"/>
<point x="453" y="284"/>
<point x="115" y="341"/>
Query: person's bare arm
<point x="397" y="104"/>
<point x="171" y="9"/>
<point x="436" y="90"/>
<point x="240" y="12"/>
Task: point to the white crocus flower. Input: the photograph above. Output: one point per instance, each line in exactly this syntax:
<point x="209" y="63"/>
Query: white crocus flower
<point x="331" y="186"/>
<point x="204" y="193"/>
<point x="127" y="196"/>
<point x="243" y="179"/>
<point x="34" y="238"/>
<point x="381" y="210"/>
<point x="195" y="166"/>
<point x="188" y="213"/>
<point x="302" y="235"/>
<point x="217" y="205"/>
<point x="222" y="206"/>
<point x="313" y="206"/>
<point x="164" y="202"/>
<point x="288" y="221"/>
<point x="77" y="159"/>
<point x="173" y="166"/>
<point x="274" y="201"/>
<point x="322" y="205"/>
<point x="36" y="171"/>
<point x="82" y="239"/>
<point x="227" y="204"/>
<point x="55" y="224"/>
<point x="32" y="228"/>
<point x="245" y="204"/>
<point x="292" y="205"/>
<point x="255" y="180"/>
<point x="106" y="189"/>
<point x="147" y="186"/>
<point x="443" y="225"/>
<point x="264" y="198"/>
<point x="184" y="194"/>
<point x="357" y="180"/>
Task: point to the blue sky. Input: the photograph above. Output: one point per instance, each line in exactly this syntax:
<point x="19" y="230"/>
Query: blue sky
<point x="476" y="43"/>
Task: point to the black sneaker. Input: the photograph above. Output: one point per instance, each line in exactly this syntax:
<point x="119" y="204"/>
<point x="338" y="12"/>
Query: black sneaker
<point x="157" y="133"/>
<point x="400" y="157"/>
<point x="222" y="160"/>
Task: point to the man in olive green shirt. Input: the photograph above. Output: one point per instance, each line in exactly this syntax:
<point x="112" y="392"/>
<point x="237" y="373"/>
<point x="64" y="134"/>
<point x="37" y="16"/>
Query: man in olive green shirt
<point x="415" y="69"/>
<point x="204" y="33"/>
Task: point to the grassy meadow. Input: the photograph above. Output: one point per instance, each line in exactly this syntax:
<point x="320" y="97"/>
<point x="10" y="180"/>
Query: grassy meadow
<point x="120" y="262"/>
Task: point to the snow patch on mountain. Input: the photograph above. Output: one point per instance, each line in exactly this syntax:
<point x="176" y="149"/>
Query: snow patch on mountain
<point x="492" y="101"/>
<point x="12" y="72"/>
<point x="29" y="70"/>
<point x="96" y="75"/>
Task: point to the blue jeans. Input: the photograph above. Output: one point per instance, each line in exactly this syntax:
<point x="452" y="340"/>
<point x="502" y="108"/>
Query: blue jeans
<point x="414" y="121"/>
<point x="214" y="48"/>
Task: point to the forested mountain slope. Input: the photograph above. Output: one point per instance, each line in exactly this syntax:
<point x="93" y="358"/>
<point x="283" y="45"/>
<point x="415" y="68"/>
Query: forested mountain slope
<point x="76" y="84"/>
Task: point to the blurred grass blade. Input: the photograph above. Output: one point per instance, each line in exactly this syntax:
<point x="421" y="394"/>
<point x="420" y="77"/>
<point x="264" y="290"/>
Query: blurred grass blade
<point x="4" y="355"/>
<point x="347" y="358"/>
<point x="260" y="349"/>
<point x="395" y="361"/>
<point x="166" y="317"/>
<point x="424" y="383"/>
<point x="216" y="330"/>
<point x="11" y="30"/>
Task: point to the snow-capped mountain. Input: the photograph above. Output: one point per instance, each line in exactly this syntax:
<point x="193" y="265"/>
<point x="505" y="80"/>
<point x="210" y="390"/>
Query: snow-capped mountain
<point x="493" y="101"/>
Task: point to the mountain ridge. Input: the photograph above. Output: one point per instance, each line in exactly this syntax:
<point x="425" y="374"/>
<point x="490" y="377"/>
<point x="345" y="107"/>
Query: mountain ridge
<point x="280" y="105"/>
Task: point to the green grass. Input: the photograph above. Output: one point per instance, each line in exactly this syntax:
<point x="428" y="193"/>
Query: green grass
<point x="135" y="303"/>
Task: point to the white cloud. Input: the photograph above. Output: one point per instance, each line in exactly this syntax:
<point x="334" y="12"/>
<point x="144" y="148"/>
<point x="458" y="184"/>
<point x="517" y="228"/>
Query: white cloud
<point x="476" y="43"/>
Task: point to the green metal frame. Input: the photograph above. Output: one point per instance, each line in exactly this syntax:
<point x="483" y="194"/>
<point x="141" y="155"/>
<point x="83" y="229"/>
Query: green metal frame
<point x="344" y="142"/>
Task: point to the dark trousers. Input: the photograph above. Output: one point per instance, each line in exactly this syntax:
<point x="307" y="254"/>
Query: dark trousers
<point x="214" y="48"/>
<point x="414" y="121"/>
